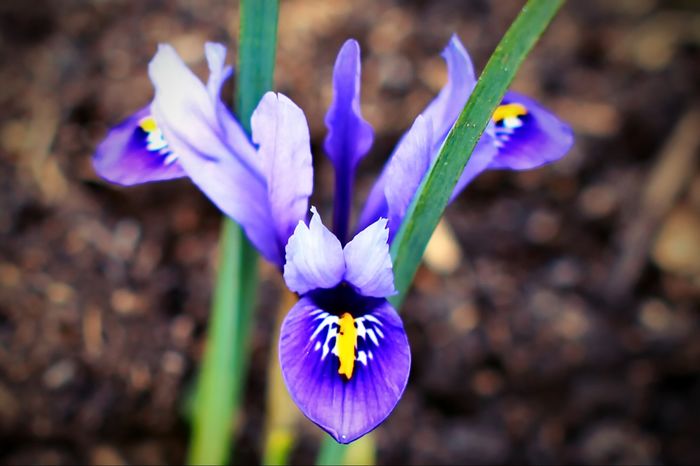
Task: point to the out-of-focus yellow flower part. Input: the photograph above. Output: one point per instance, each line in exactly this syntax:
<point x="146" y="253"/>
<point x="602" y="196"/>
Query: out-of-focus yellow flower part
<point x="347" y="340"/>
<point x="148" y="124"/>
<point x="509" y="111"/>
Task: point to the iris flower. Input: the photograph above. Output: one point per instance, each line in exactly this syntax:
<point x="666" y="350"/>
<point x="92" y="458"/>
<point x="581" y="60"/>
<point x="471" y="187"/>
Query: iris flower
<point x="343" y="349"/>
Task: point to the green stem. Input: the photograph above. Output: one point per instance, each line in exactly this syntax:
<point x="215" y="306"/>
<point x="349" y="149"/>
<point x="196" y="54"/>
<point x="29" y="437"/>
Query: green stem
<point x="225" y="359"/>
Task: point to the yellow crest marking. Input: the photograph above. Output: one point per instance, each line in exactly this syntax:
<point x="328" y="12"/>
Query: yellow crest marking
<point x="347" y="340"/>
<point x="148" y="124"/>
<point x="508" y="111"/>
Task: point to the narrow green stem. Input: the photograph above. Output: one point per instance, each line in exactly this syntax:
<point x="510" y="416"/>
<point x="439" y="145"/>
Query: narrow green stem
<point x="225" y="359"/>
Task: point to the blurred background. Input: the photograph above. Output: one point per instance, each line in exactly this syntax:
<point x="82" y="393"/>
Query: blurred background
<point x="555" y="319"/>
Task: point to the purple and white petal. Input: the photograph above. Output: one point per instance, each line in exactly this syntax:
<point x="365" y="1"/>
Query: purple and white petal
<point x="528" y="135"/>
<point x="280" y="130"/>
<point x="135" y="152"/>
<point x="346" y="409"/>
<point x="349" y="135"/>
<point x="314" y="257"/>
<point x="406" y="170"/>
<point x="190" y="121"/>
<point x="368" y="263"/>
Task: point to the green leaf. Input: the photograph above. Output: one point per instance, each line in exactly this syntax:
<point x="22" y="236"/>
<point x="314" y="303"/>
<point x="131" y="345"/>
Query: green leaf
<point x="224" y="364"/>
<point x="434" y="192"/>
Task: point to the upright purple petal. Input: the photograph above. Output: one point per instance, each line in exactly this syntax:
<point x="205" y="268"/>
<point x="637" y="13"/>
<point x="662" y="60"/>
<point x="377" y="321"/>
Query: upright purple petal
<point x="527" y="135"/>
<point x="442" y="111"/>
<point x="280" y="130"/>
<point x="191" y="123"/>
<point x="135" y="151"/>
<point x="406" y="170"/>
<point x="232" y="131"/>
<point x="314" y="257"/>
<point x="446" y="107"/>
<point x="368" y="263"/>
<point x="345" y="408"/>
<point x="349" y="135"/>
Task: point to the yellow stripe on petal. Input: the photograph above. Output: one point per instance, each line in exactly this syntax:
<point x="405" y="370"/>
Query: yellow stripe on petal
<point x="509" y="111"/>
<point x="347" y="341"/>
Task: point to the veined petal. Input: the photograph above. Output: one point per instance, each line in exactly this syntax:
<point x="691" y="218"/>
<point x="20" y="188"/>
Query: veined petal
<point x="349" y="135"/>
<point x="191" y="122"/>
<point x="527" y="135"/>
<point x="135" y="151"/>
<point x="314" y="257"/>
<point x="280" y="129"/>
<point x="368" y="263"/>
<point x="405" y="171"/>
<point x="346" y="408"/>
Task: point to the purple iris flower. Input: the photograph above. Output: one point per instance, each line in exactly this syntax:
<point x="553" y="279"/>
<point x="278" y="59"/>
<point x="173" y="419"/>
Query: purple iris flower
<point x="343" y="349"/>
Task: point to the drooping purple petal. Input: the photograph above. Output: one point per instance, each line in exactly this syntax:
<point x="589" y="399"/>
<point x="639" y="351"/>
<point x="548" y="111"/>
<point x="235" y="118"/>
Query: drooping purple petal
<point x="530" y="139"/>
<point x="405" y="171"/>
<point x="368" y="263"/>
<point x="135" y="152"/>
<point x="349" y="135"/>
<point x="442" y="111"/>
<point x="346" y="409"/>
<point x="280" y="130"/>
<point x="479" y="161"/>
<point x="314" y="257"/>
<point x="191" y="123"/>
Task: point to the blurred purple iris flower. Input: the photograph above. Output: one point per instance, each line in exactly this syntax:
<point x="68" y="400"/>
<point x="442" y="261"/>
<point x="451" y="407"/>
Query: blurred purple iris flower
<point x="343" y="349"/>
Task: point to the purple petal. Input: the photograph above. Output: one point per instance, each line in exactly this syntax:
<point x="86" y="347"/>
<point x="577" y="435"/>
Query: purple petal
<point x="405" y="171"/>
<point x="232" y="131"/>
<point x="280" y="129"/>
<point x="131" y="155"/>
<point x="442" y="112"/>
<point x="532" y="139"/>
<point x="446" y="107"/>
<point x="368" y="263"/>
<point x="346" y="409"/>
<point x="349" y="135"/>
<point x="191" y="122"/>
<point x="314" y="257"/>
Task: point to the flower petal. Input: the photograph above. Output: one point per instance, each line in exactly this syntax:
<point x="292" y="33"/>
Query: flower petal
<point x="405" y="171"/>
<point x="346" y="409"/>
<point x="442" y="112"/>
<point x="448" y="104"/>
<point x="531" y="139"/>
<point x="135" y="152"/>
<point x="314" y="257"/>
<point x="349" y="135"/>
<point x="280" y="129"/>
<point x="191" y="122"/>
<point x="368" y="263"/>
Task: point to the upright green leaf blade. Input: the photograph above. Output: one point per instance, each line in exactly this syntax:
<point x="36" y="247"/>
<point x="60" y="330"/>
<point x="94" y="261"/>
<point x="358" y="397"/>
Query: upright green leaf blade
<point x="434" y="192"/>
<point x="225" y="359"/>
